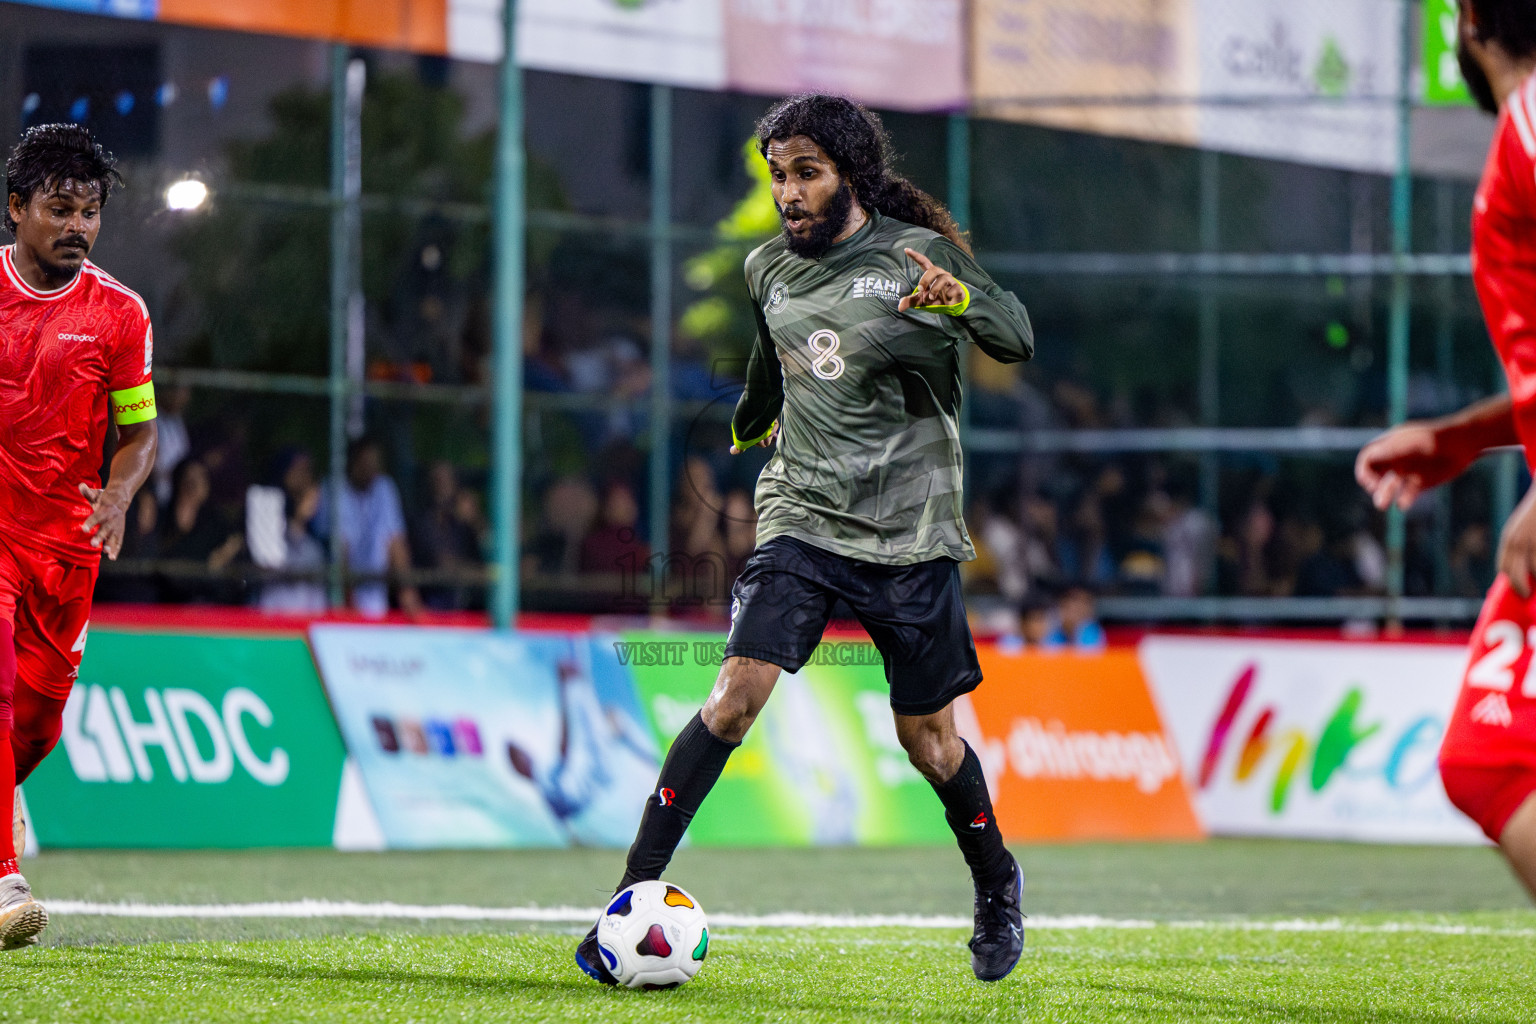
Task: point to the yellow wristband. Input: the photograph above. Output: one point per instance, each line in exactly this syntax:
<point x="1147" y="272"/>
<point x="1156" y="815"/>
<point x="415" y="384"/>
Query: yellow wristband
<point x="133" y="405"/>
<point x="744" y="445"/>
<point x="954" y="309"/>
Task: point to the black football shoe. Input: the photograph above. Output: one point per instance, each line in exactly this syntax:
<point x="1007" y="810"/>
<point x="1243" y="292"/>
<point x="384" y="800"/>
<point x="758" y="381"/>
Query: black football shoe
<point x="998" y="941"/>
<point x="589" y="957"/>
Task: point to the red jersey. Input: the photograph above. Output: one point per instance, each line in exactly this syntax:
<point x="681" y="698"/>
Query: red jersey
<point x="1494" y="722"/>
<point x="1504" y="253"/>
<point x="65" y="356"/>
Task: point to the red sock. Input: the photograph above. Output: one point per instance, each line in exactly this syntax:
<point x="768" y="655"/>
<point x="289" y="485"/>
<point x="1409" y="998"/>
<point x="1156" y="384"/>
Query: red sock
<point x="39" y="723"/>
<point x="8" y="853"/>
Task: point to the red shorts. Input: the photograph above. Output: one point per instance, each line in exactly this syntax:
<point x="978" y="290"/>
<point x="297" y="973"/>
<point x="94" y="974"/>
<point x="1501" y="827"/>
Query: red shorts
<point x="1488" y="756"/>
<point x="48" y="606"/>
<point x="1488" y="794"/>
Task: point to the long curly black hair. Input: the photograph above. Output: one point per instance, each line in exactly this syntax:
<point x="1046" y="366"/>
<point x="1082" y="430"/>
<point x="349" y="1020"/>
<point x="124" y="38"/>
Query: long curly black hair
<point x="858" y="144"/>
<point x="49" y="154"/>
<point x="1512" y="23"/>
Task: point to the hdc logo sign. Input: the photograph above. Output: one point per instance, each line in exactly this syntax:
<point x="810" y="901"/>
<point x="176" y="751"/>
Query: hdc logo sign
<point x="106" y="740"/>
<point x="196" y="742"/>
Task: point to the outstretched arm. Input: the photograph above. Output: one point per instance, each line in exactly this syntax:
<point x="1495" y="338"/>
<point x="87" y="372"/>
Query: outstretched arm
<point x="954" y="284"/>
<point x="131" y="466"/>
<point x="1419" y="455"/>
<point x="756" y="420"/>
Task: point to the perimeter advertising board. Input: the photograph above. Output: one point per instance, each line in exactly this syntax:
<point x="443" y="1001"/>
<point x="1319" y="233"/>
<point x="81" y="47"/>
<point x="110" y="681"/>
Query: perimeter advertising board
<point x="468" y="738"/>
<point x="1312" y="739"/>
<point x="1305" y="80"/>
<point x="1443" y="84"/>
<point x="1319" y="77"/>
<point x="1074" y="749"/>
<point x="678" y="42"/>
<point x="1071" y="745"/>
<point x="419" y="25"/>
<point x="1064" y="62"/>
<point x="191" y="741"/>
<point x="906" y="54"/>
<point x="821" y="766"/>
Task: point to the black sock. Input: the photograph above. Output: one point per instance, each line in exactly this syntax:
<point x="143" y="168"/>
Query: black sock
<point x="693" y="764"/>
<point x="968" y="809"/>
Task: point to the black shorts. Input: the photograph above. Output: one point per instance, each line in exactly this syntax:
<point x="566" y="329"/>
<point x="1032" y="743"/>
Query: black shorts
<point x="781" y="603"/>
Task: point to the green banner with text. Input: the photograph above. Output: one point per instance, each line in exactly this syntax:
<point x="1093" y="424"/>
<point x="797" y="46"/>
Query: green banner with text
<point x="191" y="741"/>
<point x="1443" y="85"/>
<point x="821" y="766"/>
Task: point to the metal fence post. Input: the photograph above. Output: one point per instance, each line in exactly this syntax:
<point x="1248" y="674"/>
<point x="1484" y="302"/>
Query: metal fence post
<point x="1209" y="322"/>
<point x="661" y="319"/>
<point x="1402" y="243"/>
<point x="346" y="300"/>
<point x="508" y="285"/>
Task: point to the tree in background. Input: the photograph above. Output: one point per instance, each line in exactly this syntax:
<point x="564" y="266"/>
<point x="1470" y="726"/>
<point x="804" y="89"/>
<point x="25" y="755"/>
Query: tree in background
<point x="721" y="318"/>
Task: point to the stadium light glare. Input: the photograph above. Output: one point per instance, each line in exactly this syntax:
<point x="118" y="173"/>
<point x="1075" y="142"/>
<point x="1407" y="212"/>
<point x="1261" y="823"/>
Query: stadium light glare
<point x="187" y="194"/>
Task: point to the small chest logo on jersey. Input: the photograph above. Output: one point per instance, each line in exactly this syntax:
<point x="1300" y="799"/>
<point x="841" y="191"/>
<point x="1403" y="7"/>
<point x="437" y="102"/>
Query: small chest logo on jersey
<point x="1493" y="710"/>
<point x="778" y="298"/>
<point x="876" y="288"/>
<point x="76" y="337"/>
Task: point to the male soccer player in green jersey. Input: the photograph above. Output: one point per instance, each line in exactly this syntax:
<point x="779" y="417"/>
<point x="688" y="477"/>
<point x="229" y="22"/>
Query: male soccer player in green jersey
<point x="862" y="304"/>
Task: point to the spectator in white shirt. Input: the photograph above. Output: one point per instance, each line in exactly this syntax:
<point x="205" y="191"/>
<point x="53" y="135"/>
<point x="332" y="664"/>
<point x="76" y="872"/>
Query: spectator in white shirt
<point x="373" y="534"/>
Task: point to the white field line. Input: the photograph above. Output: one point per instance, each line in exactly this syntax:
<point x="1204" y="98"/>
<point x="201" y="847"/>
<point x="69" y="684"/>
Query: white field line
<point x="318" y="909"/>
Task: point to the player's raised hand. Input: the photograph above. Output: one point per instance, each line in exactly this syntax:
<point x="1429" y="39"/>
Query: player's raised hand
<point x="937" y="286"/>
<point x="767" y="442"/>
<point x="106" y="523"/>
<point x="1405" y="462"/>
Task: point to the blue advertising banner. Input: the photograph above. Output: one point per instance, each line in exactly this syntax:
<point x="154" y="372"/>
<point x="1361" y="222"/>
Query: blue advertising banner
<point x="467" y="738"/>
<point x="144" y="9"/>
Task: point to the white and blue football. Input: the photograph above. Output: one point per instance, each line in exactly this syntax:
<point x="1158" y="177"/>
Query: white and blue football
<point x="653" y="935"/>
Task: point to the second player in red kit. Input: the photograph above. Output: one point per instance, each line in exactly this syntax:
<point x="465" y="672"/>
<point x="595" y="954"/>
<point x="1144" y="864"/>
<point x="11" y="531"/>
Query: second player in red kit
<point x="1488" y="757"/>
<point x="75" y="355"/>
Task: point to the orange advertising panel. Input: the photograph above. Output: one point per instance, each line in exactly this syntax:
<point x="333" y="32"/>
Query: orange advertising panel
<point x="419" y="25"/>
<point x="1074" y="749"/>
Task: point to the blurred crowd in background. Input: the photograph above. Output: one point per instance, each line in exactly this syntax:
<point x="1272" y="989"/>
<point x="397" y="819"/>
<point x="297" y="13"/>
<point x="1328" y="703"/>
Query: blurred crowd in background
<point x="219" y="524"/>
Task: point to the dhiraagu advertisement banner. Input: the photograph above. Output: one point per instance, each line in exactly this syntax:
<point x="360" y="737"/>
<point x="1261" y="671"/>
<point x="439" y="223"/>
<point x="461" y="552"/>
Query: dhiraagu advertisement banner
<point x="474" y="738"/>
<point x="1311" y="739"/>
<point x="191" y="741"/>
<point x="822" y="764"/>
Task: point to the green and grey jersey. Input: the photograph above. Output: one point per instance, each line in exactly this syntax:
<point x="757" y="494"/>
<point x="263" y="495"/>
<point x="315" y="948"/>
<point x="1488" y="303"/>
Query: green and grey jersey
<point x="867" y="398"/>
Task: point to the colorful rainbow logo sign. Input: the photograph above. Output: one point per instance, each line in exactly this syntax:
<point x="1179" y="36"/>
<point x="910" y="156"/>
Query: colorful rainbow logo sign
<point x="1324" y="754"/>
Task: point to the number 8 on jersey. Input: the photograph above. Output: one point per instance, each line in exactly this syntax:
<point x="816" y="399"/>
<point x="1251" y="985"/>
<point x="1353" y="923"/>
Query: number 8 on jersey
<point x="825" y="362"/>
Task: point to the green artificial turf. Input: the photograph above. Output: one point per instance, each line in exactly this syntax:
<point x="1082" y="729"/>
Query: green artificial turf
<point x="1418" y="935"/>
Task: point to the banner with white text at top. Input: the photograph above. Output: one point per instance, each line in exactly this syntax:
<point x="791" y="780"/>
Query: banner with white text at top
<point x="1320" y="740"/>
<point x="902" y="54"/>
<point x="1066" y="63"/>
<point x="1073" y="748"/>
<point x="672" y="42"/>
<point x="1312" y="81"/>
<point x="1443" y="84"/>
<point x="1321" y="77"/>
<point x="466" y="738"/>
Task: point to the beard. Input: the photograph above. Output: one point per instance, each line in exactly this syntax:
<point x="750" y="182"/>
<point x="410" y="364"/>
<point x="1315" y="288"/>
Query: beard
<point x="1477" y="79"/>
<point x="824" y="229"/>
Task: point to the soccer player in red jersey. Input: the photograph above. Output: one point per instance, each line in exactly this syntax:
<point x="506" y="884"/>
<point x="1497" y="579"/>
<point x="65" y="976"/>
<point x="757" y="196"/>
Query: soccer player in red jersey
<point x="1488" y="757"/>
<point x="75" y="345"/>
